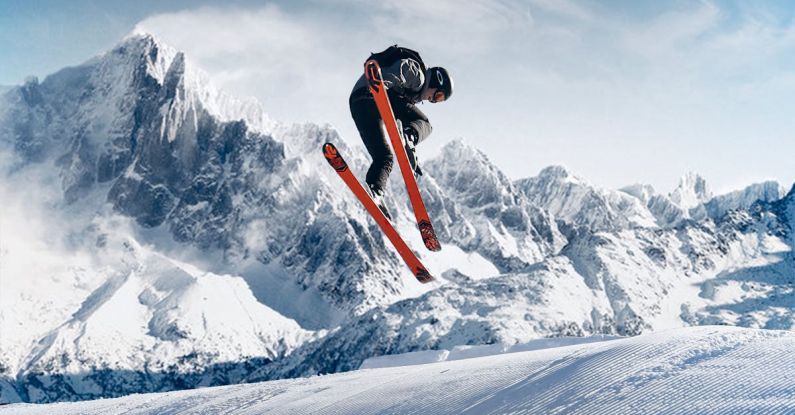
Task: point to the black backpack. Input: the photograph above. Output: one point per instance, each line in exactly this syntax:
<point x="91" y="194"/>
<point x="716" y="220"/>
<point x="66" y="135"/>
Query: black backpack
<point x="395" y="53"/>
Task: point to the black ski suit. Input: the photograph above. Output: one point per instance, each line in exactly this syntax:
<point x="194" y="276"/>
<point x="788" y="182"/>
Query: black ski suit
<point x="404" y="81"/>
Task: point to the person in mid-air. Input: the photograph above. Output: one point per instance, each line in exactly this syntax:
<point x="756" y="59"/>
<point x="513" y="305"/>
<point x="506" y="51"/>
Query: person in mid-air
<point x="408" y="83"/>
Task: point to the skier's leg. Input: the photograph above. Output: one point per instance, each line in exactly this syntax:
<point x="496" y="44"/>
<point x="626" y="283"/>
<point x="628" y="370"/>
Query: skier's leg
<point x="368" y="122"/>
<point x="411" y="116"/>
<point x="416" y="128"/>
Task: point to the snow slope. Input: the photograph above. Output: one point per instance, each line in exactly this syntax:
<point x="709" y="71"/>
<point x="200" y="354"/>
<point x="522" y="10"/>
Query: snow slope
<point x="704" y="370"/>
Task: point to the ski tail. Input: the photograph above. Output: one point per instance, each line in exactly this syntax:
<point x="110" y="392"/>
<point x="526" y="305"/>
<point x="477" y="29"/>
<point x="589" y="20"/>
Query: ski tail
<point x="336" y="161"/>
<point x="373" y="74"/>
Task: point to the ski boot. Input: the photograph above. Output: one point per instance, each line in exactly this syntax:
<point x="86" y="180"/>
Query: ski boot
<point x="410" y="140"/>
<point x="378" y="198"/>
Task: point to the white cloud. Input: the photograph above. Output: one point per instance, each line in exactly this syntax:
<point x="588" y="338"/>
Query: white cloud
<point x="303" y="63"/>
<point x="564" y="8"/>
<point x="558" y="77"/>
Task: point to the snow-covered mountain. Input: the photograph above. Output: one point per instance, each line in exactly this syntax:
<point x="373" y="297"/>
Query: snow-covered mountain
<point x="139" y="132"/>
<point x="146" y="130"/>
<point x="158" y="234"/>
<point x="479" y="209"/>
<point x="765" y="192"/>
<point x="691" y="192"/>
<point x="704" y="370"/>
<point x="692" y="199"/>
<point x="577" y="202"/>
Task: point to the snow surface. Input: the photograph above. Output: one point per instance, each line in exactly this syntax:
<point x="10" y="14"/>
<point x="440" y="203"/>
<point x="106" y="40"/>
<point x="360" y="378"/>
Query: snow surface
<point x="471" y="352"/>
<point x="700" y="370"/>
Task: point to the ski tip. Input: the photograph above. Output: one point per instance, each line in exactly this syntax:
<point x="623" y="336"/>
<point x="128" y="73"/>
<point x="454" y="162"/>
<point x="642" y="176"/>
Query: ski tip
<point x="423" y="275"/>
<point x="373" y="74"/>
<point x="372" y="67"/>
<point x="333" y="157"/>
<point x="329" y="148"/>
<point x="433" y="245"/>
<point x="429" y="236"/>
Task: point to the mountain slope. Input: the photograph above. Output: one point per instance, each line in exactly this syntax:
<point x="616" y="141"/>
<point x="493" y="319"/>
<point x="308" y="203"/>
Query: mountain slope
<point x="737" y="271"/>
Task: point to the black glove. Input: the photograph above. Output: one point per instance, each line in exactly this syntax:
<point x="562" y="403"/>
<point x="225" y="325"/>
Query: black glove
<point x="411" y="136"/>
<point x="411" y="139"/>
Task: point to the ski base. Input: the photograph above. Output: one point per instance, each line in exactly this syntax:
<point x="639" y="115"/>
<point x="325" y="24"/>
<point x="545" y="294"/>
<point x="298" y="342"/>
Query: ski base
<point x="341" y="167"/>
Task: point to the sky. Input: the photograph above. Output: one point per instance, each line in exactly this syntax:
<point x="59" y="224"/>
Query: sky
<point x="620" y="92"/>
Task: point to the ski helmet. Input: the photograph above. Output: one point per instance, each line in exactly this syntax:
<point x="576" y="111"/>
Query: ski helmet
<point x="441" y="81"/>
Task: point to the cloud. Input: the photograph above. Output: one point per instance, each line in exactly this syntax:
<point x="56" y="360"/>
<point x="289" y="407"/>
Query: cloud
<point x="668" y="36"/>
<point x="301" y="62"/>
<point x="557" y="75"/>
<point x="286" y="61"/>
<point x="564" y="8"/>
<point x="446" y="27"/>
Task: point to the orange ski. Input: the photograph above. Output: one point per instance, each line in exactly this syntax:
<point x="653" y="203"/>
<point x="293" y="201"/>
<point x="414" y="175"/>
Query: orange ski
<point x="336" y="161"/>
<point x="373" y="74"/>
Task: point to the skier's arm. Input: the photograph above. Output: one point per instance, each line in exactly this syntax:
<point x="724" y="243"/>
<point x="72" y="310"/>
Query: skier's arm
<point x="412" y="118"/>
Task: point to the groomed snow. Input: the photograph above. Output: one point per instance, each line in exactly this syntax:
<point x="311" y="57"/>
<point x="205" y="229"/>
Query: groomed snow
<point x="700" y="370"/>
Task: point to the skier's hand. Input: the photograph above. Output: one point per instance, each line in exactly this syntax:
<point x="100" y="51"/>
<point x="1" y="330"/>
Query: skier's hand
<point x="411" y="135"/>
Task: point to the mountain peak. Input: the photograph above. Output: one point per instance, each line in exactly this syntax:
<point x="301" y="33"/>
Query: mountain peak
<point x="170" y="67"/>
<point x="139" y="37"/>
<point x="643" y="192"/>
<point x="560" y="173"/>
<point x="693" y="180"/>
<point x="578" y="202"/>
<point x="555" y="171"/>
<point x="143" y="41"/>
<point x="692" y="191"/>
<point x="458" y="149"/>
<point x="791" y="193"/>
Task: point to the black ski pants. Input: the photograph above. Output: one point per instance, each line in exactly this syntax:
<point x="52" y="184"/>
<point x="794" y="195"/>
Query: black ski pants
<point x="368" y="121"/>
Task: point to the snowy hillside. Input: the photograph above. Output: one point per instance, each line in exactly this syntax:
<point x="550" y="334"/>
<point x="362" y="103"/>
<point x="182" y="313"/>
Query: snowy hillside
<point x="158" y="234"/>
<point x="708" y="370"/>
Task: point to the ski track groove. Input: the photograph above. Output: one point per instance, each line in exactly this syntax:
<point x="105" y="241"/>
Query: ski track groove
<point x="342" y="404"/>
<point x="551" y="395"/>
<point x="480" y="406"/>
<point x="467" y="388"/>
<point x="701" y="371"/>
<point x="628" y="381"/>
<point x="632" y="384"/>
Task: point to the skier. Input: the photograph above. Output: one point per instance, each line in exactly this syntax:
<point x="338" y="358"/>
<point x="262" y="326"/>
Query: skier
<point x="408" y="83"/>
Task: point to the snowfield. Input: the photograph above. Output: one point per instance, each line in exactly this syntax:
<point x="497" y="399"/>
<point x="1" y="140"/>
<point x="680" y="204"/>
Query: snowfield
<point x="698" y="370"/>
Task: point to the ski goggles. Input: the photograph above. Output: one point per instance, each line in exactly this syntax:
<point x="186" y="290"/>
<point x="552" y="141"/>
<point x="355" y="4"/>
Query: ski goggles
<point x="438" y="96"/>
